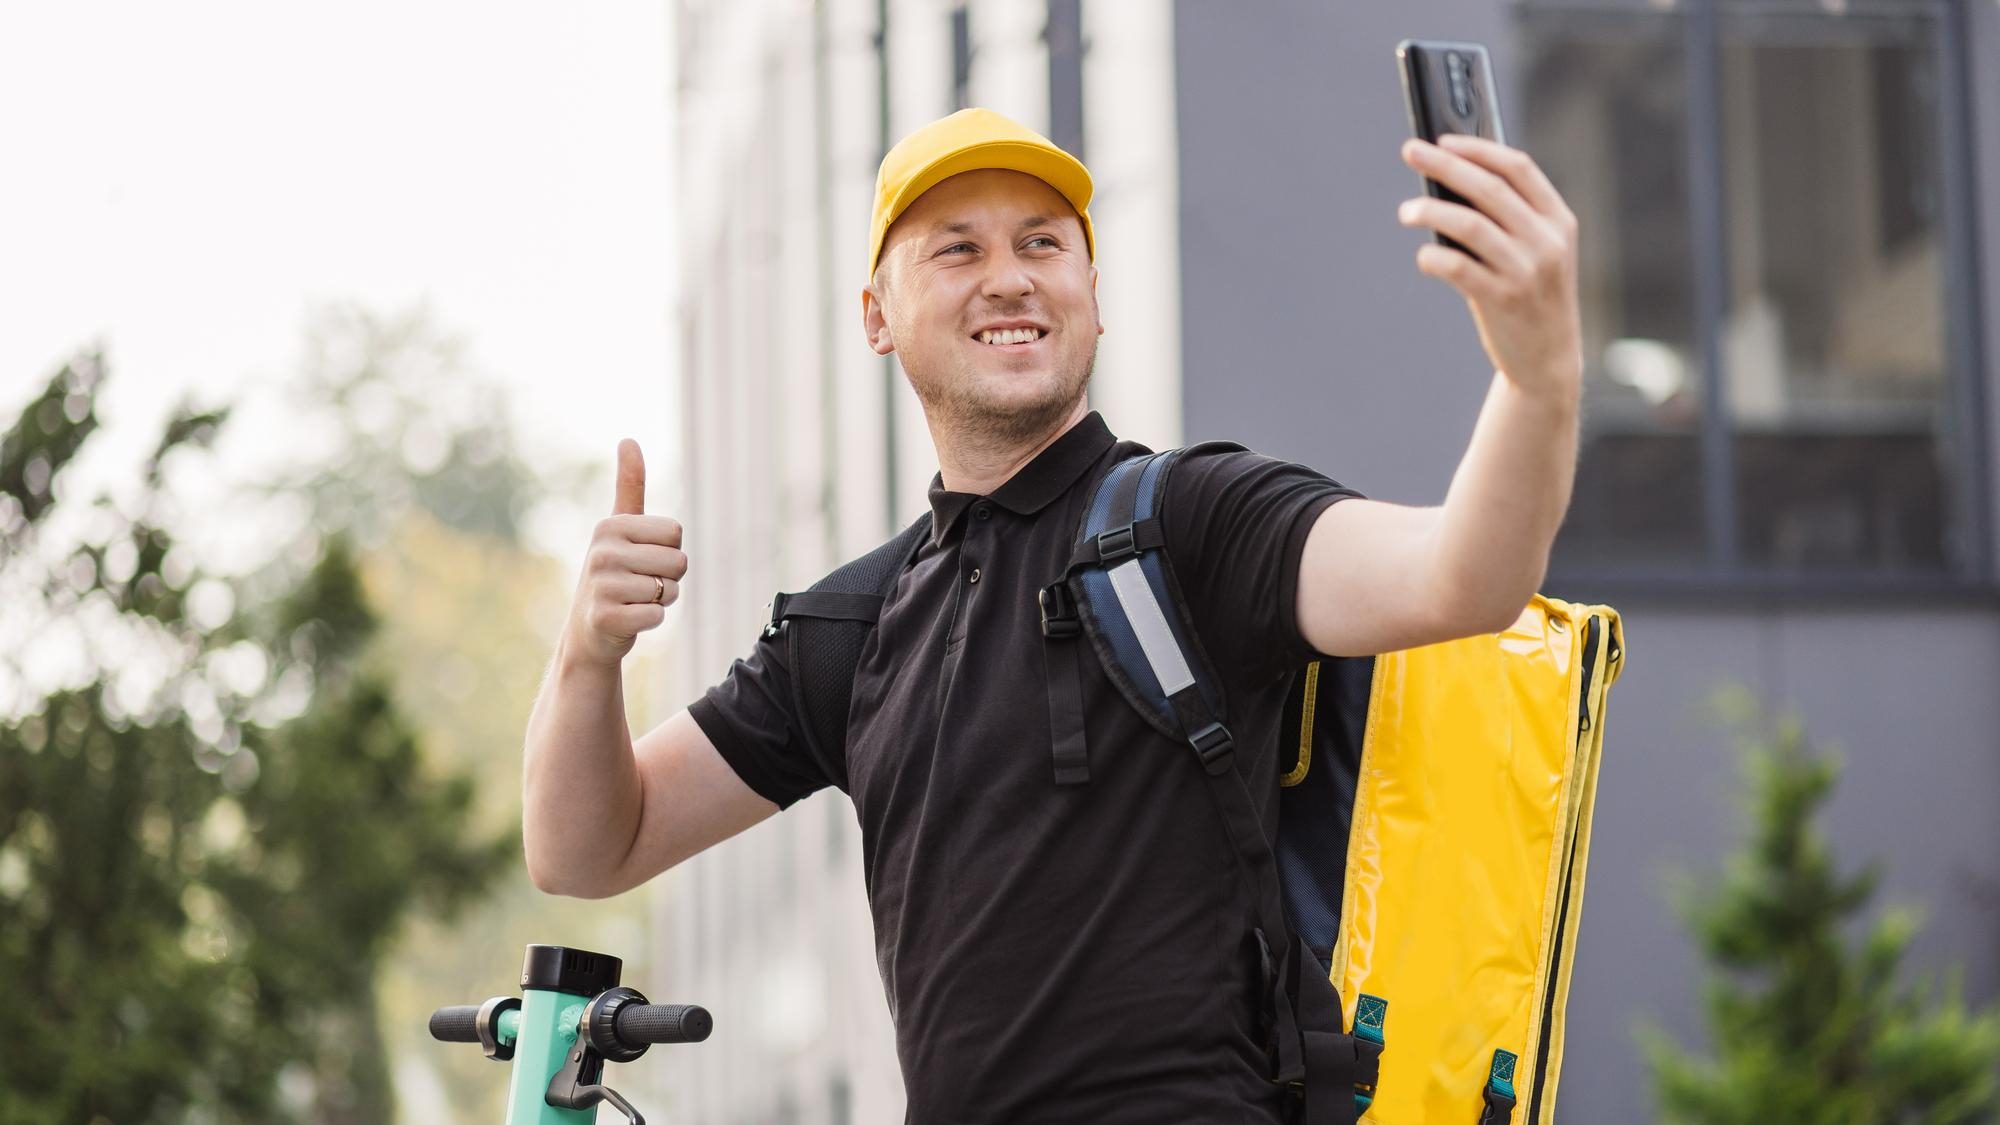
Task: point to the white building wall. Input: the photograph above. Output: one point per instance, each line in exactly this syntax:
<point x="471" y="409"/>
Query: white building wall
<point x="920" y="91"/>
<point x="1130" y="146"/>
<point x="791" y="461"/>
<point x="783" y="474"/>
<point x="1010" y="62"/>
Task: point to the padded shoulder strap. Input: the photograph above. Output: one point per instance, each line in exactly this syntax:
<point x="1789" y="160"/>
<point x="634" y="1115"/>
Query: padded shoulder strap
<point x="824" y="629"/>
<point x="1131" y="608"/>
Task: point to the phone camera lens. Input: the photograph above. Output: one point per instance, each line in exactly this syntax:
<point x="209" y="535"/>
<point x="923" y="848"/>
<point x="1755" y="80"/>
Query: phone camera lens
<point x="1458" y="80"/>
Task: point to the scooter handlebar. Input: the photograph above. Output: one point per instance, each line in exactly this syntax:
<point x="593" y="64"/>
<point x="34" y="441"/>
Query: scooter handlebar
<point x="641" y="1024"/>
<point x="458" y="1023"/>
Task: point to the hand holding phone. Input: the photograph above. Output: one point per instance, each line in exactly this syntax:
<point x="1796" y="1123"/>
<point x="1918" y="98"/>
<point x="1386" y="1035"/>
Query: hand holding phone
<point x="1448" y="88"/>
<point x="1512" y="248"/>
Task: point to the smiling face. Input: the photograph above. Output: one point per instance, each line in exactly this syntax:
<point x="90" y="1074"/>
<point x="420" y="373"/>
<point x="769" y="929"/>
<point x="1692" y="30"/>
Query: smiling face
<point x="986" y="292"/>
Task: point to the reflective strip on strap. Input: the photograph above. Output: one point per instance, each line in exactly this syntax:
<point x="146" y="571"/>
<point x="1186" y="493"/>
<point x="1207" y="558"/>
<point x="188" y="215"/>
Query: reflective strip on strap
<point x="1142" y="609"/>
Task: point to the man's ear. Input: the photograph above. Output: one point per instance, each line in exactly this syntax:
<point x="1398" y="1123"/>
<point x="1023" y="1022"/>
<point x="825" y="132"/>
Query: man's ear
<point x="1093" y="300"/>
<point x="873" y="324"/>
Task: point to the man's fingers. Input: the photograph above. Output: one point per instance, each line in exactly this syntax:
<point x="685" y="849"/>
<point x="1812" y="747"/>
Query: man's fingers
<point x="626" y="621"/>
<point x="1517" y="166"/>
<point x="630" y="499"/>
<point x="1484" y="188"/>
<point x="641" y="558"/>
<point x="1469" y="226"/>
<point x="664" y="530"/>
<point x="1461" y="271"/>
<point x="642" y="589"/>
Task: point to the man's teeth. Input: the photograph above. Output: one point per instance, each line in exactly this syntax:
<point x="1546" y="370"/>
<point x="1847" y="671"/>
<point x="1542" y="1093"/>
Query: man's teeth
<point x="1010" y="336"/>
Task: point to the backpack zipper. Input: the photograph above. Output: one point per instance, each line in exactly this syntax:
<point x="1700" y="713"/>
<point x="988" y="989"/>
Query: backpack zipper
<point x="1593" y="632"/>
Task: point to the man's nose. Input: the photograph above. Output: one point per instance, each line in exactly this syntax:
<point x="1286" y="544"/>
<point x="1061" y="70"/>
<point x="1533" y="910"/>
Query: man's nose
<point x="1007" y="278"/>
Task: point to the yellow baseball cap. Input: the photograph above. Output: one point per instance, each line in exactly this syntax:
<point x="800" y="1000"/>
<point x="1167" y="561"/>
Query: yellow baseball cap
<point x="967" y="141"/>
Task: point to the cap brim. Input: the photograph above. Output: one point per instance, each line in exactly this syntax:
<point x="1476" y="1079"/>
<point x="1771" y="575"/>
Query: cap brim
<point x="1052" y="166"/>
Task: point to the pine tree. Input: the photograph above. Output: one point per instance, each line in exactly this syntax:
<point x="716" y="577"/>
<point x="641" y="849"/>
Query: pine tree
<point x="1809" y="1027"/>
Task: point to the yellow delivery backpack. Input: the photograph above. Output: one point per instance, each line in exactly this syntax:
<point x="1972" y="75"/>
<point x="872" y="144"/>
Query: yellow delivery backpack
<point x="1415" y="907"/>
<point x="1418" y="900"/>
<point x="1465" y="858"/>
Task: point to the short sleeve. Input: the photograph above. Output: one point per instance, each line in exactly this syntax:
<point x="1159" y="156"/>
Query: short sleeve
<point x="1236" y="524"/>
<point x="752" y="719"/>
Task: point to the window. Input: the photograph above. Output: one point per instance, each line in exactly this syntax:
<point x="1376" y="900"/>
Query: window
<point x="1777" y="387"/>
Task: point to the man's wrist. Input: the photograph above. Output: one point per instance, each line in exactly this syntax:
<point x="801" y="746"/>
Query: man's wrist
<point x="1558" y="395"/>
<point x="574" y="657"/>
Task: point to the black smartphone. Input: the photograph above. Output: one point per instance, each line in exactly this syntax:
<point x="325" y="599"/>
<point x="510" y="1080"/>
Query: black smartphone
<point x="1448" y="88"/>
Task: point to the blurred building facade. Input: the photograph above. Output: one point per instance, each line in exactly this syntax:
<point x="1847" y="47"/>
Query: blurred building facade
<point x="1793" y="383"/>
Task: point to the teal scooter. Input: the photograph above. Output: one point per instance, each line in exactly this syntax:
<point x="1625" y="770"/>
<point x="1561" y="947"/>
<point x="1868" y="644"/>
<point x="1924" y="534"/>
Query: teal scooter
<point x="571" y="1018"/>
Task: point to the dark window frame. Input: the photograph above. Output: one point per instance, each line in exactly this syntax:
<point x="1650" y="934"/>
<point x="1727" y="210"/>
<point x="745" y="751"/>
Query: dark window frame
<point x="1723" y="573"/>
<point x="961" y="56"/>
<point x="1062" y="34"/>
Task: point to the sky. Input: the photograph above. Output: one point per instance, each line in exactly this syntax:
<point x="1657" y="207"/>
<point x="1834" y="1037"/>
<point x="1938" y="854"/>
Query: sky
<point x="184" y="183"/>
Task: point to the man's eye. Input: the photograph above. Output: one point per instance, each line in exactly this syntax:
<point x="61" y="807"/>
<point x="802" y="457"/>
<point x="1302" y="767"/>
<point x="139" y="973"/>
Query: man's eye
<point x="956" y="246"/>
<point x="1042" y="238"/>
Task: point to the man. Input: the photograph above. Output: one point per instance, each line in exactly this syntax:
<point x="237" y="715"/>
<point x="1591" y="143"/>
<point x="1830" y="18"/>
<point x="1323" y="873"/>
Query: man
<point x="1063" y="952"/>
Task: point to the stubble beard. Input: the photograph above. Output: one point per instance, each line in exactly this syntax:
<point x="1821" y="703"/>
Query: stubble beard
<point x="974" y="421"/>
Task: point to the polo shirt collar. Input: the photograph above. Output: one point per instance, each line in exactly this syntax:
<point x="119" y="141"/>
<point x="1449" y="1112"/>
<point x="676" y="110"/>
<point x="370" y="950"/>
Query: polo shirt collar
<point x="1036" y="483"/>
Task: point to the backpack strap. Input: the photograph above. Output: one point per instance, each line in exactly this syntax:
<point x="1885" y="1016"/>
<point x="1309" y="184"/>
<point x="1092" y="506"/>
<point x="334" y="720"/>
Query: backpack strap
<point x="1131" y="609"/>
<point x="824" y="628"/>
<point x="1116" y="554"/>
<point x="1060" y="629"/>
<point x="1125" y="599"/>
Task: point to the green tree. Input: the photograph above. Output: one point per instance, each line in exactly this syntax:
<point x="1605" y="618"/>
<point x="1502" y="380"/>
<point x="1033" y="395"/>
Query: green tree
<point x="1809" y="1027"/>
<point x="213" y="824"/>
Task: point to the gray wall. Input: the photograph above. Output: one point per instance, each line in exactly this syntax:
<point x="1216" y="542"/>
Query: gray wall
<point x="1310" y="335"/>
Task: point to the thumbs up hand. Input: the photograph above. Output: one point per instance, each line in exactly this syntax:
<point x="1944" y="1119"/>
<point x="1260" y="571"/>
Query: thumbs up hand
<point x="631" y="573"/>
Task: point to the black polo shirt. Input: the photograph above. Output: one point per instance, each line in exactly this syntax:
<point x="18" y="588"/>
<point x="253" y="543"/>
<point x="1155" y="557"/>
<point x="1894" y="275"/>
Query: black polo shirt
<point x="1055" y="953"/>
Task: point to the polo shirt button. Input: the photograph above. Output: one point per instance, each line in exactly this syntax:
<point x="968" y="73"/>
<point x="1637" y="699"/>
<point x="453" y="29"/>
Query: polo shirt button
<point x="974" y="576"/>
<point x="982" y="511"/>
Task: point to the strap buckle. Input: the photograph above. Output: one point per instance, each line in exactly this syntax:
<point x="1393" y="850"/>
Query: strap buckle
<point x="1499" y="1092"/>
<point x="1116" y="545"/>
<point x="1059" y="617"/>
<point x="777" y="623"/>
<point x="1213" y="744"/>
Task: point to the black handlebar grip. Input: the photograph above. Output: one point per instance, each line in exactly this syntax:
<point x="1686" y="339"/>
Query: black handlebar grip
<point x="662" y="1023"/>
<point x="456" y="1024"/>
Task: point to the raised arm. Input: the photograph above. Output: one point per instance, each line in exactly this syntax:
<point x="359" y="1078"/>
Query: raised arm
<point x="599" y="814"/>
<point x="1377" y="577"/>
